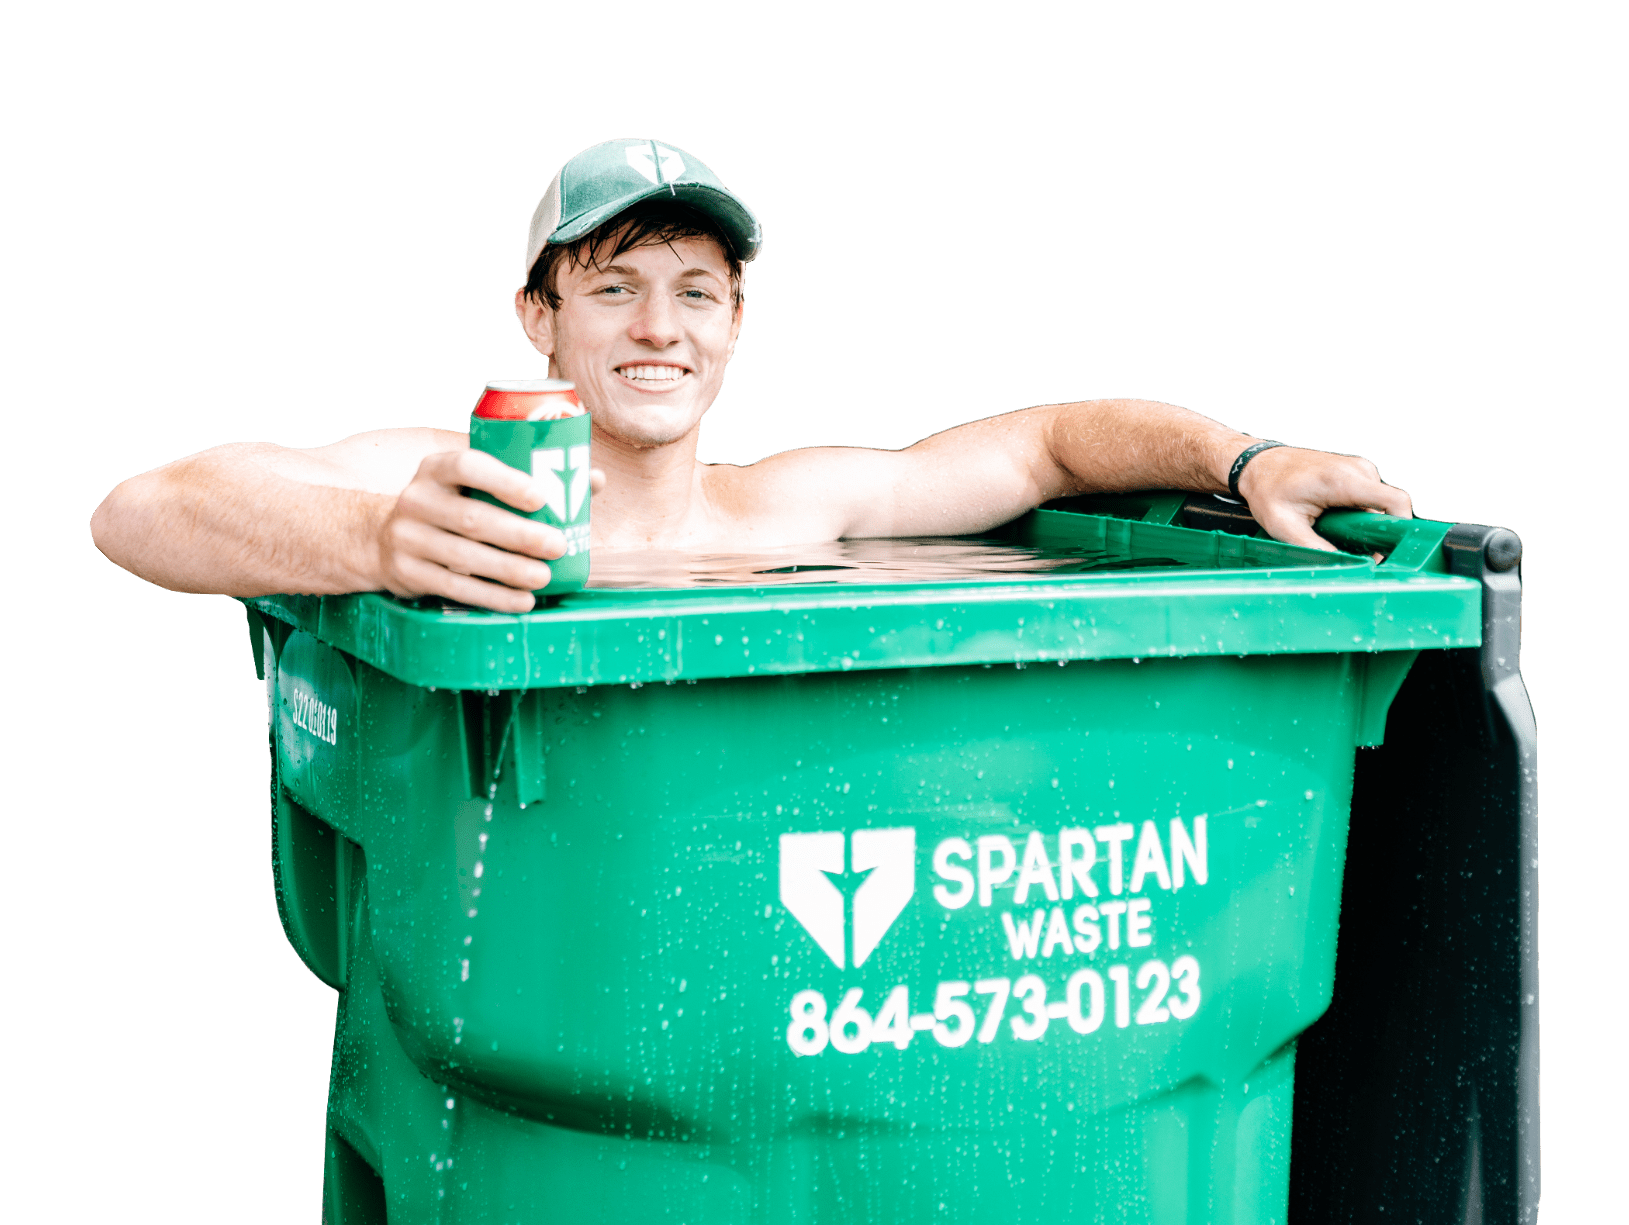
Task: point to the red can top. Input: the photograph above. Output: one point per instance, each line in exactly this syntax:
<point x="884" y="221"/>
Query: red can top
<point x="529" y="400"/>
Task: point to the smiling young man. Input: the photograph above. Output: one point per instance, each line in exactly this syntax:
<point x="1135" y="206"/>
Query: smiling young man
<point x="634" y="293"/>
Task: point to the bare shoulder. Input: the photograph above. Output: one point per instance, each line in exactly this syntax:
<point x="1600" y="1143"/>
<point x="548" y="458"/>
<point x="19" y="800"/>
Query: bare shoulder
<point x="377" y="461"/>
<point x="797" y="496"/>
<point x="824" y="465"/>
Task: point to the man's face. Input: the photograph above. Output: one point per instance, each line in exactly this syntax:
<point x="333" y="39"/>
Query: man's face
<point x="645" y="338"/>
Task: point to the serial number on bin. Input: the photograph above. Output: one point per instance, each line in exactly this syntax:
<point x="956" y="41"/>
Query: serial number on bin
<point x="1170" y="992"/>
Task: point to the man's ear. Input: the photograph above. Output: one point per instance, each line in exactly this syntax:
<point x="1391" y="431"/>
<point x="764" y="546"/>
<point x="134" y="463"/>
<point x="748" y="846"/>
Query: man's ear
<point x="735" y="327"/>
<point x="740" y="310"/>
<point x="537" y="321"/>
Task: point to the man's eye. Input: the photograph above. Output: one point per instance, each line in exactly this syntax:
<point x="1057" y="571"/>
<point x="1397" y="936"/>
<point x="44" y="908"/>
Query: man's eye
<point x="696" y="293"/>
<point x="614" y="289"/>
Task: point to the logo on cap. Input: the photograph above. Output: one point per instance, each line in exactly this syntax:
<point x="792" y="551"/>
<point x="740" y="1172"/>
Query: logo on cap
<point x="639" y="157"/>
<point x="880" y="880"/>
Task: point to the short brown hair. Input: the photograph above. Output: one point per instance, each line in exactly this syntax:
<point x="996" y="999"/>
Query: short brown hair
<point x="649" y="223"/>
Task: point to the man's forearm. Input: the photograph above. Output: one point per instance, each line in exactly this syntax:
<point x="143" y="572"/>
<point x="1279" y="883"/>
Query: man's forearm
<point x="224" y="522"/>
<point x="1117" y="445"/>
<point x="1114" y="445"/>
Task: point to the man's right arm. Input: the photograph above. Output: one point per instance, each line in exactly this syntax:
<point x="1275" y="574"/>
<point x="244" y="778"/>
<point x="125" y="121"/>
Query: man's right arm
<point x="382" y="510"/>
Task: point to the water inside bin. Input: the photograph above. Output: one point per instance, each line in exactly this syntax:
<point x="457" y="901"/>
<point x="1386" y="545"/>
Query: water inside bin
<point x="923" y="559"/>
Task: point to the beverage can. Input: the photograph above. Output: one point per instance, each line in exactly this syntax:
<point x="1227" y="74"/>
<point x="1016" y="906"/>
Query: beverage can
<point x="540" y="427"/>
<point x="529" y="400"/>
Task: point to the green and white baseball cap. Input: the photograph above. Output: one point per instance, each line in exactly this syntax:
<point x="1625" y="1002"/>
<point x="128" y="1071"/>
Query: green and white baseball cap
<point x="607" y="178"/>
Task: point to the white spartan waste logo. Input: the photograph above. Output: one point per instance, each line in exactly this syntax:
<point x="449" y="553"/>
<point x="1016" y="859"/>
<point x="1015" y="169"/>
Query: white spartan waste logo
<point x="640" y="158"/>
<point x="549" y="463"/>
<point x="880" y="879"/>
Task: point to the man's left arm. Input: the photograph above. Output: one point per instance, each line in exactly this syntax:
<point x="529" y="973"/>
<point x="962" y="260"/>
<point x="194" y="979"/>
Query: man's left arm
<point x="977" y="476"/>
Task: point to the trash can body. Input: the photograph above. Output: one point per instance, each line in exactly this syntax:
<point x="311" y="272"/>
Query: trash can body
<point x="958" y="902"/>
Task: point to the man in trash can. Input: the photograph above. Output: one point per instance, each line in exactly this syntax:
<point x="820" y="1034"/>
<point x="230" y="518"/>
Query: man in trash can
<point x="634" y="273"/>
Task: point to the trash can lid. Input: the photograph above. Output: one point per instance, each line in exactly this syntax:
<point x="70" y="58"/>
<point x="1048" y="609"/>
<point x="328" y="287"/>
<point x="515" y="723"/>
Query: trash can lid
<point x="1122" y="589"/>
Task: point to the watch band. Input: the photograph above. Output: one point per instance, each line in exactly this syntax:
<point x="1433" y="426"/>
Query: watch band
<point x="1245" y="456"/>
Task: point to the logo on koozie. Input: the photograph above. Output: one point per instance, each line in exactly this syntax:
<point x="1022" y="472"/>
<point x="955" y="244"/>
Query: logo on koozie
<point x="550" y="463"/>
<point x="848" y="910"/>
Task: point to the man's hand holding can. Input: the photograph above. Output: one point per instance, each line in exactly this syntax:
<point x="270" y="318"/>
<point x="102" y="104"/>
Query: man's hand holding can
<point x="455" y="532"/>
<point x="539" y="427"/>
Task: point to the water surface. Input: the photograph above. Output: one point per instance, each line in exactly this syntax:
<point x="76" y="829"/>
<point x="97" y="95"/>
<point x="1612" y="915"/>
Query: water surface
<point x="919" y="559"/>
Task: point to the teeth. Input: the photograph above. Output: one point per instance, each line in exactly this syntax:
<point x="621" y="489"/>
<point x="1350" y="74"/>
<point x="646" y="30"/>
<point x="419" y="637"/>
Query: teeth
<point x="652" y="374"/>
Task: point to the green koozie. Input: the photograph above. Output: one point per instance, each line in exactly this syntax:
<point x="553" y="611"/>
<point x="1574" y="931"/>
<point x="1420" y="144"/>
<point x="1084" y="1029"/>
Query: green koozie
<point x="557" y="452"/>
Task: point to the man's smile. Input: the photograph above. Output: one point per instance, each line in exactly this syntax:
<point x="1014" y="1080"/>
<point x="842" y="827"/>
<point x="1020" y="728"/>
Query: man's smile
<point x="654" y="377"/>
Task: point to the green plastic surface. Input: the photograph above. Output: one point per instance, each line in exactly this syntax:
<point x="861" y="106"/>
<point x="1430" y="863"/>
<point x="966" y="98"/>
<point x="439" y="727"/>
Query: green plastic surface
<point x="1269" y="598"/>
<point x="752" y="906"/>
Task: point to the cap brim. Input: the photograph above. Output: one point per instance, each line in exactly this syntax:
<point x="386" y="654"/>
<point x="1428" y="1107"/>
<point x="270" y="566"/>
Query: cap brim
<point x="731" y="215"/>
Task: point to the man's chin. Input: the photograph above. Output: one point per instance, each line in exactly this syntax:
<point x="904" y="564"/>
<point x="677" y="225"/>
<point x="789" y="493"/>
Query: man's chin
<point x="642" y="428"/>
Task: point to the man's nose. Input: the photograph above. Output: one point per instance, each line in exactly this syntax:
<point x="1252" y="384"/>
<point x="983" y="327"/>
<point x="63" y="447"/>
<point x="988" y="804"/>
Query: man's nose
<point x="657" y="322"/>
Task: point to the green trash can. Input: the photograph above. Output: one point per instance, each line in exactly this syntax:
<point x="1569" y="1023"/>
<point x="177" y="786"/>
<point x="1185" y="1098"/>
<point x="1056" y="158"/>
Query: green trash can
<point x="1001" y="896"/>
